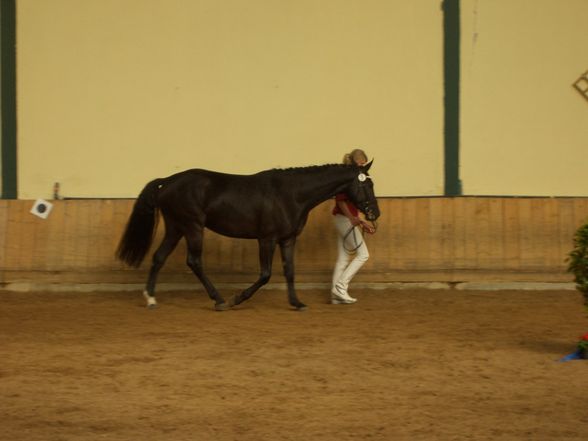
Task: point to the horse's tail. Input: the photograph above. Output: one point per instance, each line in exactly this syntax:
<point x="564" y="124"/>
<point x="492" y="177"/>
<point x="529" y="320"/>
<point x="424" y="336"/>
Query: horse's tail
<point x="141" y="226"/>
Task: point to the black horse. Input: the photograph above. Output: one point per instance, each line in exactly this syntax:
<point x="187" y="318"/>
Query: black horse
<point x="271" y="206"/>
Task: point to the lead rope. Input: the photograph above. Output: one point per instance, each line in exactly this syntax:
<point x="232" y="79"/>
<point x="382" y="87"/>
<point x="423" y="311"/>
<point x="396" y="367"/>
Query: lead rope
<point x="352" y="250"/>
<point x="357" y="245"/>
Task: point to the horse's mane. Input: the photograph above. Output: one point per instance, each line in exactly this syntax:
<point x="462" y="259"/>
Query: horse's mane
<point x="308" y="169"/>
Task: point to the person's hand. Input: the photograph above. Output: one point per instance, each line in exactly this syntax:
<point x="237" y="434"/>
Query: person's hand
<point x="367" y="227"/>
<point x="355" y="221"/>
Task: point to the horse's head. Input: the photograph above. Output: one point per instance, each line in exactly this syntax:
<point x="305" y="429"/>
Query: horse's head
<point x="361" y="193"/>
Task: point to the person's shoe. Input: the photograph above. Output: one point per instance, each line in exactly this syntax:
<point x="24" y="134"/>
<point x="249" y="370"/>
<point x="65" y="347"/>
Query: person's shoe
<point x="340" y="297"/>
<point x="339" y="301"/>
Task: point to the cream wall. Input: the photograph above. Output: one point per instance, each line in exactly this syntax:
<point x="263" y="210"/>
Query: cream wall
<point x="112" y="93"/>
<point x="524" y="128"/>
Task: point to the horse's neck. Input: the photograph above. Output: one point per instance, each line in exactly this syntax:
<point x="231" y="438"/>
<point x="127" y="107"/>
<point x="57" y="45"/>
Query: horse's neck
<point x="319" y="186"/>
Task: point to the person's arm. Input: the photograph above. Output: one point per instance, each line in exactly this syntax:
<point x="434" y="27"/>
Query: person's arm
<point x="353" y="219"/>
<point x="347" y="213"/>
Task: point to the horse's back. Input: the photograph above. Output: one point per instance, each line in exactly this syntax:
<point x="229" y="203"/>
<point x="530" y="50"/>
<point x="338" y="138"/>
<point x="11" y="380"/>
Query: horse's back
<point x="229" y="204"/>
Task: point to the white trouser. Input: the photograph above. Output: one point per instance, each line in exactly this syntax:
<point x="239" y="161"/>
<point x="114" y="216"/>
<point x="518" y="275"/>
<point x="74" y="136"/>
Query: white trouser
<point x="347" y="264"/>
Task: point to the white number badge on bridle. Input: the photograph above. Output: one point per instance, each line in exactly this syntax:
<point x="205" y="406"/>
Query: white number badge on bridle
<point x="362" y="177"/>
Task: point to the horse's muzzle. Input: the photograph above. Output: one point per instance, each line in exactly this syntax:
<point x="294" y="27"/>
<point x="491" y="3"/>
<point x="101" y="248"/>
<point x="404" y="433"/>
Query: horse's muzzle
<point x="371" y="214"/>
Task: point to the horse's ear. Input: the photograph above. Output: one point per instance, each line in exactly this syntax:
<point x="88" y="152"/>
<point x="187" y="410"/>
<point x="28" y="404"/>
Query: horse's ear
<point x="367" y="166"/>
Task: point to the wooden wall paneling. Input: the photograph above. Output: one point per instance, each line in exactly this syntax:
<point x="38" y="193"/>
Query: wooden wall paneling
<point x="461" y="258"/>
<point x="570" y="222"/>
<point x="95" y="232"/>
<point x="3" y="233"/>
<point x="42" y="251"/>
<point x="19" y="243"/>
<point x="580" y="211"/>
<point x="551" y="257"/>
<point x="483" y="231"/>
<point x="69" y="239"/>
<point x="511" y="228"/>
<point x="472" y="240"/>
<point x="55" y="234"/>
<point x="422" y="234"/>
<point x="539" y="234"/>
<point x="448" y="232"/>
<point x="13" y="237"/>
<point x="108" y="233"/>
<point x="568" y="225"/>
<point x="554" y="257"/>
<point x="435" y="233"/>
<point x="526" y="232"/>
<point x="495" y="233"/>
<point x="408" y="244"/>
<point x="88" y="234"/>
<point x="84" y="240"/>
<point x="390" y="236"/>
<point x="418" y="239"/>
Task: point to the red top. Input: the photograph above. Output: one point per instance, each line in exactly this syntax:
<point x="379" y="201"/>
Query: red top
<point x="343" y="197"/>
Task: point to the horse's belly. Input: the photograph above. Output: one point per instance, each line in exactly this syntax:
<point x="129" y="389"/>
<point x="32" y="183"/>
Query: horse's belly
<point x="238" y="228"/>
<point x="232" y="233"/>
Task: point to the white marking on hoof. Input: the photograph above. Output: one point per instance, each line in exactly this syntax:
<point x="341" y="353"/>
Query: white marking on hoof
<point x="151" y="302"/>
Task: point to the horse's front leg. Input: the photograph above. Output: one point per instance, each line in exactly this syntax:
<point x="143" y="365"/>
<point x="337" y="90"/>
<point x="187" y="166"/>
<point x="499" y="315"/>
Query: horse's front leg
<point x="194" y="261"/>
<point x="287" y="250"/>
<point x="266" y="256"/>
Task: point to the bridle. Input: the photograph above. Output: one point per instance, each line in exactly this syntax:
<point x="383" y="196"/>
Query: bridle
<point x="362" y="178"/>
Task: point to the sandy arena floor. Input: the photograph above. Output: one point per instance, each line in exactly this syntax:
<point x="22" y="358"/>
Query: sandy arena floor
<point x="398" y="365"/>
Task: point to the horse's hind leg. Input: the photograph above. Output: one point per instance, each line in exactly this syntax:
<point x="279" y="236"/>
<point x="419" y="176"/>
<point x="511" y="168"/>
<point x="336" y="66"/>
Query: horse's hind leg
<point x="169" y="242"/>
<point x="287" y="251"/>
<point x="194" y="261"/>
<point x="266" y="254"/>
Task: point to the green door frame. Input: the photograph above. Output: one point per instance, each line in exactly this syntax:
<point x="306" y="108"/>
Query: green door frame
<point x="8" y="95"/>
<point x="451" y="75"/>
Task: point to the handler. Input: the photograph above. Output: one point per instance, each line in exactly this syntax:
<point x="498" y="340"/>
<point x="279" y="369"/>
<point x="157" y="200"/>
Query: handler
<point x="352" y="252"/>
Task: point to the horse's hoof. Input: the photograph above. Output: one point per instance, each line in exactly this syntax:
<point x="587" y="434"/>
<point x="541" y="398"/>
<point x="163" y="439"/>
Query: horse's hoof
<point x="222" y="307"/>
<point x="301" y="308"/>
